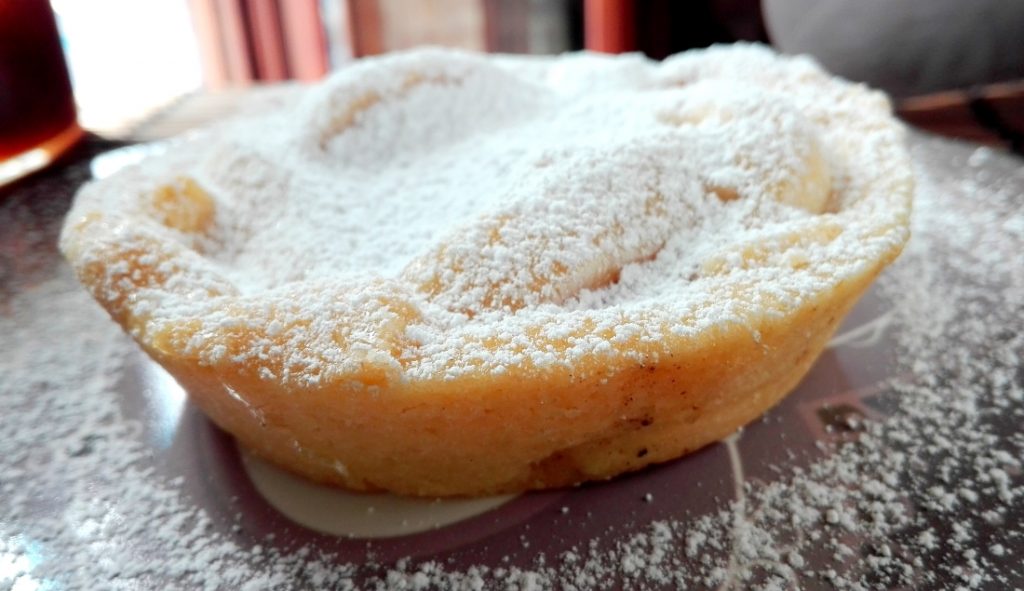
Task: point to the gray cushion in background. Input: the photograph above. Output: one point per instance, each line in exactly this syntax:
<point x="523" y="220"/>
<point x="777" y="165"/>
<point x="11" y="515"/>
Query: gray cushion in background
<point x="905" y="47"/>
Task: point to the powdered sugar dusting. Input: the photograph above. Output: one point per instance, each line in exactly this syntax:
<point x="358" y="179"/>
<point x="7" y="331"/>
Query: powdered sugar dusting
<point x="930" y="497"/>
<point x="421" y="213"/>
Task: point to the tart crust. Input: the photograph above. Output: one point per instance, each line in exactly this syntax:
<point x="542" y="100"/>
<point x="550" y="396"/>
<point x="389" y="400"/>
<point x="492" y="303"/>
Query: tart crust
<point x="371" y="404"/>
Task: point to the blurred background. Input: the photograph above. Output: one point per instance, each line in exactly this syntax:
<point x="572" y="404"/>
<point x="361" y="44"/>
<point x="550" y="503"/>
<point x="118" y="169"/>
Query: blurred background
<point x="145" y="70"/>
<point x="129" y="59"/>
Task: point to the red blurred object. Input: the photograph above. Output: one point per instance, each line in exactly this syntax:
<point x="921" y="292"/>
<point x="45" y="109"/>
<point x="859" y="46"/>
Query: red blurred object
<point x="660" y="28"/>
<point x="247" y="41"/>
<point x="37" y="109"/>
<point x="267" y="40"/>
<point x="609" y="25"/>
<point x="305" y="43"/>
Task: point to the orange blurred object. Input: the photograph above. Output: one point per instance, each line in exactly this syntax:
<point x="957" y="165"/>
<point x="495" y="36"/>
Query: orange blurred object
<point x="37" y="109"/>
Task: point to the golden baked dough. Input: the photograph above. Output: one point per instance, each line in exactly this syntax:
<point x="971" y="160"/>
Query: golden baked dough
<point x="440" y="273"/>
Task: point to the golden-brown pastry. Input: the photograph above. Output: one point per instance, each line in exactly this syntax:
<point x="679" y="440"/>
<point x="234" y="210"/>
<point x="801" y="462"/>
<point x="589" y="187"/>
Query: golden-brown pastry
<point x="441" y="273"/>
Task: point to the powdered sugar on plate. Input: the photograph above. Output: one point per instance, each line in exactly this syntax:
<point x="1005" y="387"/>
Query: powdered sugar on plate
<point x="928" y="496"/>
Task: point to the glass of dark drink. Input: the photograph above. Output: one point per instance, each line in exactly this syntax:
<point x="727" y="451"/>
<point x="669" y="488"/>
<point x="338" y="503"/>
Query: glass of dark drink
<point x="37" y="108"/>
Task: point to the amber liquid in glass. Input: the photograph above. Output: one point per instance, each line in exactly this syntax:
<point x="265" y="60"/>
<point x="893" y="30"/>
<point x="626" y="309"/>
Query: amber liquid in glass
<point x="37" y="108"/>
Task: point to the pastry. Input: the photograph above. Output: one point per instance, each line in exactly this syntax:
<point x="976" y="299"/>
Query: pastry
<point x="442" y="273"/>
